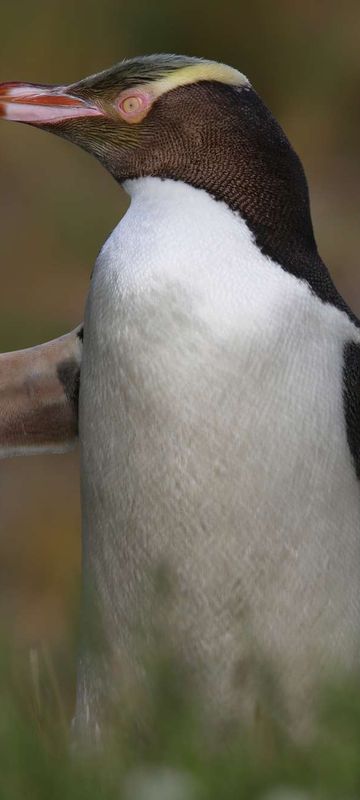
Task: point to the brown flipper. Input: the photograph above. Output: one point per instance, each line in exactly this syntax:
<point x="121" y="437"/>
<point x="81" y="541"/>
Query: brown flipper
<point x="39" y="390"/>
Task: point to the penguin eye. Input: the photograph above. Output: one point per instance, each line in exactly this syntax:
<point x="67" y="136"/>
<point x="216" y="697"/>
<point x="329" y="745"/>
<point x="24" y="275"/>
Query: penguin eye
<point x="133" y="106"/>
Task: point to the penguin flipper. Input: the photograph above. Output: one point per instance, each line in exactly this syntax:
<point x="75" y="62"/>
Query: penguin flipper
<point x="39" y="391"/>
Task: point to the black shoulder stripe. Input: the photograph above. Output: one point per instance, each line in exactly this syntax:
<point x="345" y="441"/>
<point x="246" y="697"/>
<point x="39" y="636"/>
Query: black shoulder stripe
<point x="351" y="390"/>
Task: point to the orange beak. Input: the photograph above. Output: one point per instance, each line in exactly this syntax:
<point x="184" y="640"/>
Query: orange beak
<point x="40" y="105"/>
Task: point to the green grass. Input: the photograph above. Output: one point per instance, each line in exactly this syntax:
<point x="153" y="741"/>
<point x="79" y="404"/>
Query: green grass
<point x="172" y="757"/>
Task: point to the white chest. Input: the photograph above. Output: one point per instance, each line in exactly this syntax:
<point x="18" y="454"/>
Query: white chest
<point x="214" y="440"/>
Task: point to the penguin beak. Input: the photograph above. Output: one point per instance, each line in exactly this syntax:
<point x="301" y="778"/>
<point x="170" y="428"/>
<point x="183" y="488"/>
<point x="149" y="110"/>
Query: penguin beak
<point x="40" y="105"/>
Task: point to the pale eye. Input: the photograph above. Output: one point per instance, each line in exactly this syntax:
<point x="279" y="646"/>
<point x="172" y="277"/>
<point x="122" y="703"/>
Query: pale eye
<point x="131" y="104"/>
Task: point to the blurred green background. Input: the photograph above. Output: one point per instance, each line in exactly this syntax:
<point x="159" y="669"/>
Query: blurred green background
<point x="58" y="205"/>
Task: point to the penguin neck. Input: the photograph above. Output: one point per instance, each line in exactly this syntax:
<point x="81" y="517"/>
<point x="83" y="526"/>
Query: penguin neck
<point x="178" y="246"/>
<point x="240" y="156"/>
<point x="165" y="211"/>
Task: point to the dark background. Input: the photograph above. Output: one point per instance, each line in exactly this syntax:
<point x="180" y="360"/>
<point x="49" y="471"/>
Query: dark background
<point x="58" y="205"/>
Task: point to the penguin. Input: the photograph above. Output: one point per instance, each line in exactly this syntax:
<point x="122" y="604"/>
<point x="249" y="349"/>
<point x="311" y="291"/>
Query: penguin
<point x="219" y="399"/>
<point x="39" y="390"/>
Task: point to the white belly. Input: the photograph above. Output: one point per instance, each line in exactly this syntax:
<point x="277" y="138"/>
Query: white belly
<point x="214" y="446"/>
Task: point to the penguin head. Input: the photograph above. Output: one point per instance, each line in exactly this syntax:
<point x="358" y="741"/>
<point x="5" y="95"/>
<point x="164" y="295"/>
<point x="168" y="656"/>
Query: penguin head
<point x="139" y="117"/>
<point x="186" y="119"/>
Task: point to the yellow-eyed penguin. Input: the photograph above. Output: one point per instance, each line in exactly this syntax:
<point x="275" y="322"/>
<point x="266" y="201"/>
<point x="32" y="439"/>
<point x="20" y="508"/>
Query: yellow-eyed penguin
<point x="220" y="391"/>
